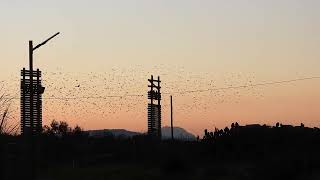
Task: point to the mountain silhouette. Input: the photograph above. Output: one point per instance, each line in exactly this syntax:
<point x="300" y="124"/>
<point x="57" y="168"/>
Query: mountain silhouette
<point x="112" y="132"/>
<point x="179" y="133"/>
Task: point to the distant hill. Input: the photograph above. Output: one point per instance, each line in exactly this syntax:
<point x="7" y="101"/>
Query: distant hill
<point x="114" y="132"/>
<point x="179" y="133"/>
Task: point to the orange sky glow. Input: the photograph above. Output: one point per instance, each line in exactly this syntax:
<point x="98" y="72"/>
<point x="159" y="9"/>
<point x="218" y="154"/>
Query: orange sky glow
<point x="110" y="48"/>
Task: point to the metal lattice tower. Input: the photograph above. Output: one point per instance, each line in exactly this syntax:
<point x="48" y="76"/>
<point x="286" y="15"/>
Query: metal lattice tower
<point x="154" y="108"/>
<point x="31" y="106"/>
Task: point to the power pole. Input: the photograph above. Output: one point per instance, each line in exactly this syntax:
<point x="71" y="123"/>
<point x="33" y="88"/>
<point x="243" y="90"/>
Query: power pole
<point x="154" y="108"/>
<point x="172" y="138"/>
<point x="31" y="110"/>
<point x="30" y="92"/>
<point x="31" y="85"/>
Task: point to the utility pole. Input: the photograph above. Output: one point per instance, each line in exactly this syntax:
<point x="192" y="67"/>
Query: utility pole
<point x="31" y="109"/>
<point x="31" y="86"/>
<point x="154" y="108"/>
<point x="172" y="138"/>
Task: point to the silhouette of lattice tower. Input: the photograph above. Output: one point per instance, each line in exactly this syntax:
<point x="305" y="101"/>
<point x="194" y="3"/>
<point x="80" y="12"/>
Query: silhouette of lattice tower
<point x="31" y="102"/>
<point x="154" y="107"/>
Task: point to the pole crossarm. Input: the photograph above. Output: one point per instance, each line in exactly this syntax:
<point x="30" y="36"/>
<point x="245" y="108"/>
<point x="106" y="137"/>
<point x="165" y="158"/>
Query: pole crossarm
<point x="44" y="42"/>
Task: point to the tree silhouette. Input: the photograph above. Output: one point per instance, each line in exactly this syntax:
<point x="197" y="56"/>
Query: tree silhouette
<point x="226" y="130"/>
<point x="7" y="126"/>
<point x="62" y="128"/>
<point x="54" y="127"/>
<point x="77" y="131"/>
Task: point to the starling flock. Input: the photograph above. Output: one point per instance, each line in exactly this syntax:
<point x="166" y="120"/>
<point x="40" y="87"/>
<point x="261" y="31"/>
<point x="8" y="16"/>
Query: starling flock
<point x="82" y="96"/>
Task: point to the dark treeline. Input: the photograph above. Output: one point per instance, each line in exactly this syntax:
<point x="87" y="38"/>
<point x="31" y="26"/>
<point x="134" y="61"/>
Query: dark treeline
<point x="236" y="152"/>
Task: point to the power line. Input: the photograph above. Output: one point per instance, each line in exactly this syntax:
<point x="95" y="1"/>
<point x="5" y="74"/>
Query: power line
<point x="96" y="97"/>
<point x="193" y="91"/>
<point x="245" y="86"/>
<point x="184" y="92"/>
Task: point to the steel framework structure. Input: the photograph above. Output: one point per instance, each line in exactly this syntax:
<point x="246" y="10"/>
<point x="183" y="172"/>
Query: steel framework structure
<point x="154" y="107"/>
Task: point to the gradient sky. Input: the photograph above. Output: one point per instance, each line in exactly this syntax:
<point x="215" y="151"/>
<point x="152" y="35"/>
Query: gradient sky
<point x="192" y="44"/>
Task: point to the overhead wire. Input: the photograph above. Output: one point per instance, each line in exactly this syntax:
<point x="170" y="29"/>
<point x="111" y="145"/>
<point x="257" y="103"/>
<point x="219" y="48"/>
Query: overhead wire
<point x="185" y="91"/>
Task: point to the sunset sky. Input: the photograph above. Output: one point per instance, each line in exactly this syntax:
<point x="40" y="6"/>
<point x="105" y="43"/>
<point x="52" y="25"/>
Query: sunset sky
<point x="111" y="47"/>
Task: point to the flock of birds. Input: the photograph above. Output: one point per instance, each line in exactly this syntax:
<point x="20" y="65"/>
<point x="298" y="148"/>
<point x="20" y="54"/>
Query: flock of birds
<point x="109" y="95"/>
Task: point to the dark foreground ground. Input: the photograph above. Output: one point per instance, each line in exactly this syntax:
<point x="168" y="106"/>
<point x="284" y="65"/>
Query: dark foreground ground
<point x="237" y="153"/>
